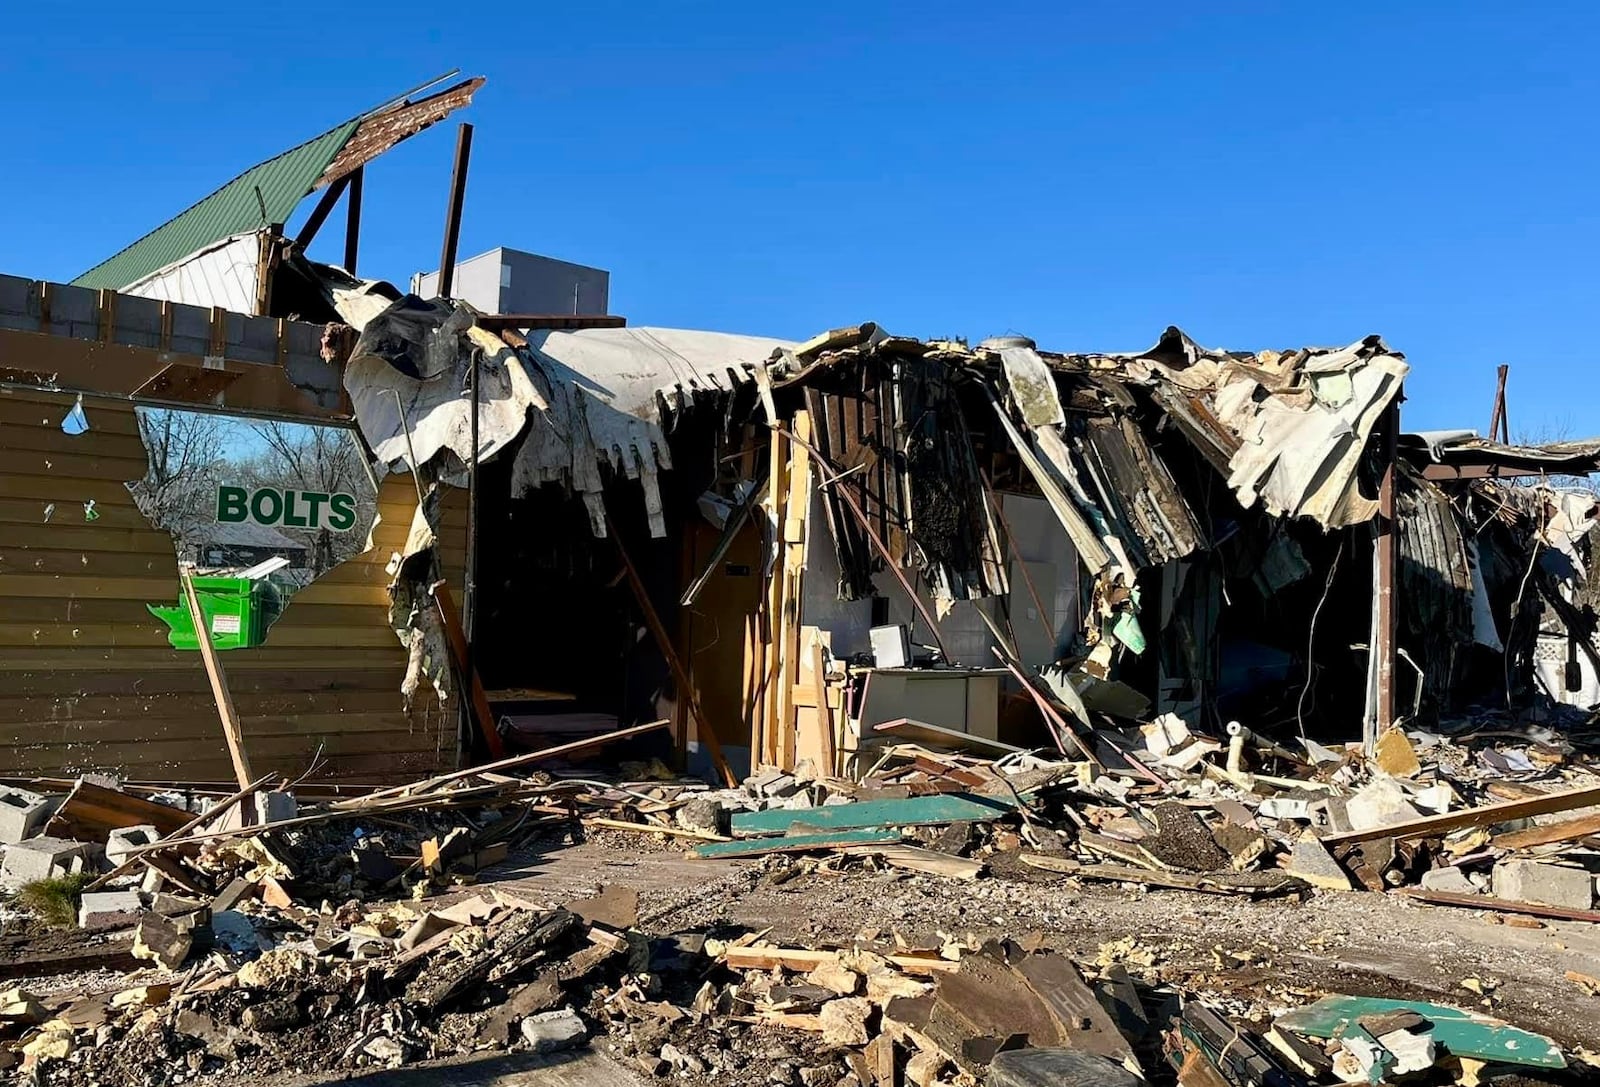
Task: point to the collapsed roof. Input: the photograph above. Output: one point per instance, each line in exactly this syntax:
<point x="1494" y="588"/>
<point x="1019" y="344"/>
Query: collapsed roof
<point x="267" y="193"/>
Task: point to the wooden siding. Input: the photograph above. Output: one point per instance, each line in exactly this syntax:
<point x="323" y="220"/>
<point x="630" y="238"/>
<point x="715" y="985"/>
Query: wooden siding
<point x="87" y="680"/>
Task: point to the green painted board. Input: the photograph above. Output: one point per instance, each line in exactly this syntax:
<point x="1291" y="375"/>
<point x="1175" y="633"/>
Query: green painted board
<point x="1463" y="1033"/>
<point x="795" y="843"/>
<point x="910" y="812"/>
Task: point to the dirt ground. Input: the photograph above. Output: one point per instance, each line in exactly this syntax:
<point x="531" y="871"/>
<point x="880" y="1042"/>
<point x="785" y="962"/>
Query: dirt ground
<point x="1264" y="955"/>
<point x="1254" y="957"/>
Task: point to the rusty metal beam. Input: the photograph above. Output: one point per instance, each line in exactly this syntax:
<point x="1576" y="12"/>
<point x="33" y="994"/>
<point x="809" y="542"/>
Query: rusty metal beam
<point x="320" y="213"/>
<point x="352" y="220"/>
<point x="1445" y="473"/>
<point x="499" y="322"/>
<point x="452" y="215"/>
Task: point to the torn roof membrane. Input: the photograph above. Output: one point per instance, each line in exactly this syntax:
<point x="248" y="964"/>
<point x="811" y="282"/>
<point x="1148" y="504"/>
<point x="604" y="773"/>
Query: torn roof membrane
<point x="1285" y="429"/>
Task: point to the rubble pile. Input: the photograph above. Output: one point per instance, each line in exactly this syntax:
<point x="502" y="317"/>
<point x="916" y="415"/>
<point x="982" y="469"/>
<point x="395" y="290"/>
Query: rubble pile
<point x="266" y="933"/>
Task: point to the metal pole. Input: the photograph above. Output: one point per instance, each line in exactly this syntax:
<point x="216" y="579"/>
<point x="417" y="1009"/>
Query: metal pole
<point x="469" y="594"/>
<point x="452" y="216"/>
<point x="1387" y="542"/>
<point x="352" y="222"/>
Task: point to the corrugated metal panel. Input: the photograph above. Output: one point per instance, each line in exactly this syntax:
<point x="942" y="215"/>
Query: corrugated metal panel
<point x="222" y="275"/>
<point x="87" y="680"/>
<point x="233" y="209"/>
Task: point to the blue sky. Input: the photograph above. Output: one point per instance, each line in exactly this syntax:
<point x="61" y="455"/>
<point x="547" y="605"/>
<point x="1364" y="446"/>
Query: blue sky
<point x="1266" y="175"/>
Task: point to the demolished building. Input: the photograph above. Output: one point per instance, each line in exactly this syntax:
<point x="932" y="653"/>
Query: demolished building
<point x="579" y="525"/>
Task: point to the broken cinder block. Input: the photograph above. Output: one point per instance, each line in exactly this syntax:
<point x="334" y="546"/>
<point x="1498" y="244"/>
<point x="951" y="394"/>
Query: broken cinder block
<point x="22" y="813"/>
<point x="1549" y="884"/>
<point x="108" y="909"/>
<point x="43" y="857"/>
<point x="121" y="843"/>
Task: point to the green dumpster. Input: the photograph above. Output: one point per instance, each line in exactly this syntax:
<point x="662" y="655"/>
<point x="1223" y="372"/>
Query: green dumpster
<point x="237" y="612"/>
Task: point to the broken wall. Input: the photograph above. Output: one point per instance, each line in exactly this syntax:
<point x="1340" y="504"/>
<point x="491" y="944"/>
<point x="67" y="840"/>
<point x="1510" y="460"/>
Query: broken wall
<point x="1052" y="563"/>
<point x="87" y="679"/>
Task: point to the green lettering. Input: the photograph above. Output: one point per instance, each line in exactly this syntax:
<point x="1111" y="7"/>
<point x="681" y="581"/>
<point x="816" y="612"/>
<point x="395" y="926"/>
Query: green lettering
<point x="315" y="500"/>
<point x="342" y="512"/>
<point x="289" y="518"/>
<point x="259" y="504"/>
<point x="231" y="505"/>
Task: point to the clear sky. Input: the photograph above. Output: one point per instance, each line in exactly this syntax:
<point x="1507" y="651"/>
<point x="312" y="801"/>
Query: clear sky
<point x="1266" y="175"/>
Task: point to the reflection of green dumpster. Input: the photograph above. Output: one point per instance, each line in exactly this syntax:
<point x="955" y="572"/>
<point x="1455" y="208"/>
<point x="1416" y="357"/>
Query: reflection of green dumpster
<point x="237" y="611"/>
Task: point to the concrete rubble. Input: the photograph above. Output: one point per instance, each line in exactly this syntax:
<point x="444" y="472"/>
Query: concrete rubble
<point x="236" y="947"/>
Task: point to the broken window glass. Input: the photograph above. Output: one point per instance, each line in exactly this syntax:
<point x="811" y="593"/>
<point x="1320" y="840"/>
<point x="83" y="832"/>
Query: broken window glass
<point x="261" y="508"/>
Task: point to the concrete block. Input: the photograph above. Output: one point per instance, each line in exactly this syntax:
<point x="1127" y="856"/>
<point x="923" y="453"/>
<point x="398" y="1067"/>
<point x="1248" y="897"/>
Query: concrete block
<point x="119" y="843"/>
<point x="109" y="909"/>
<point x="22" y="813"/>
<point x="276" y="806"/>
<point x="1549" y="884"/>
<point x="273" y="807"/>
<point x="41" y="858"/>
<point x="549" y="1032"/>
<point x="1380" y="803"/>
<point x="1448" y="879"/>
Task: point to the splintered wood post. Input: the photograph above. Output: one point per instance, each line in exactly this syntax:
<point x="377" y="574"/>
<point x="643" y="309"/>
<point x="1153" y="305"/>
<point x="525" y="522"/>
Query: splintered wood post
<point x="1497" y="418"/>
<point x="819" y="679"/>
<point x="793" y="536"/>
<point x="219" y="681"/>
<point x="680" y="676"/>
<point x="778" y="488"/>
<point x="477" y="698"/>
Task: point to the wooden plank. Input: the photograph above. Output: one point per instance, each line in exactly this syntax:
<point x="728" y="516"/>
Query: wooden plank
<point x="219" y="681"/>
<point x="457" y="639"/>
<point x="105" y="732"/>
<point x="576" y="747"/>
<point x="778" y="497"/>
<point x="910" y="812"/>
<point x="1499" y="905"/>
<point x="175" y="838"/>
<point x="680" y="676"/>
<point x="1483" y="816"/>
<point x="92" y="811"/>
<point x="1564" y="831"/>
<point x="921" y="732"/>
<point x="796" y="843"/>
<point x="82" y="465"/>
<point x="915" y="859"/>
<point x="50" y="438"/>
<point x="805" y="960"/>
<point x="61" y="688"/>
<point x="117" y="370"/>
<point x="824" y="715"/>
<point x="91" y="659"/>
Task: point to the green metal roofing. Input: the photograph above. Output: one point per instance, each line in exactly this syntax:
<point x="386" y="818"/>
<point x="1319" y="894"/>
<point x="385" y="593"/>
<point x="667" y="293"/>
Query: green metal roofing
<point x="282" y="181"/>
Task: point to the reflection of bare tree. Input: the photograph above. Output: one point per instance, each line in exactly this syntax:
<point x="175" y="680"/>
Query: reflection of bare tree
<point x="325" y="459"/>
<point x="179" y="489"/>
<point x="191" y="453"/>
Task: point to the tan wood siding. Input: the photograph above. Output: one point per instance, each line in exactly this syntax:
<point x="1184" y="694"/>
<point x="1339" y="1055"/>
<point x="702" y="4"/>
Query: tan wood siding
<point x="87" y="680"/>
